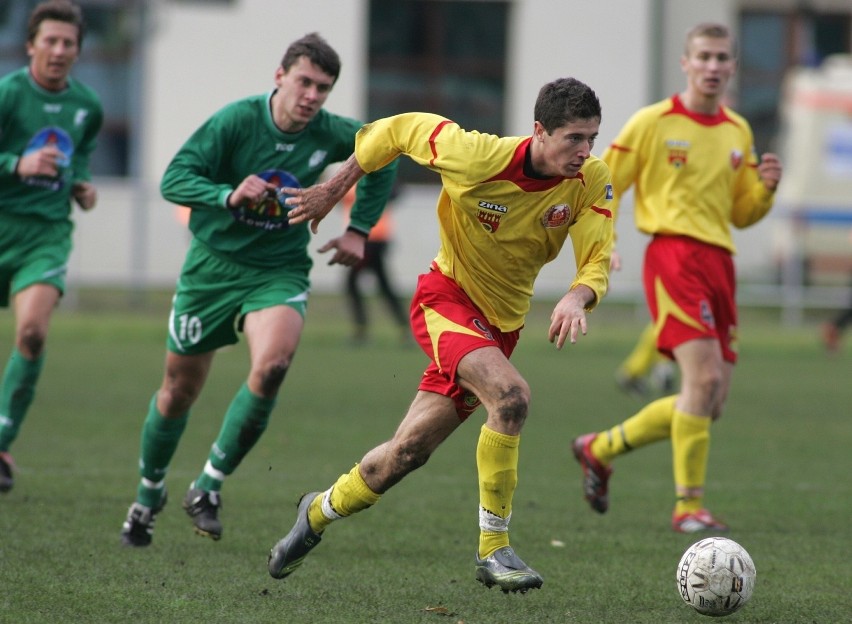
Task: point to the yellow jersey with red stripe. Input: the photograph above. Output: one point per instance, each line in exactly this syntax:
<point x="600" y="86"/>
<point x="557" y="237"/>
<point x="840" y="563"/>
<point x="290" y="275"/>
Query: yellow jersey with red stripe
<point x="498" y="226"/>
<point x="693" y="174"/>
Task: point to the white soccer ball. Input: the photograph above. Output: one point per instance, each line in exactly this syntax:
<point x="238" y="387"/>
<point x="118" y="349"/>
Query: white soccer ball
<point x="715" y="576"/>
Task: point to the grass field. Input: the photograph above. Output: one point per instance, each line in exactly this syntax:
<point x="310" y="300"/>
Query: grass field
<point x="779" y="473"/>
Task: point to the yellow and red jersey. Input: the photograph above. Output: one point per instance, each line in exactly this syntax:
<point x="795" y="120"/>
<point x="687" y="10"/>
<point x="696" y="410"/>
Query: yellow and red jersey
<point x="693" y="174"/>
<point x="498" y="226"/>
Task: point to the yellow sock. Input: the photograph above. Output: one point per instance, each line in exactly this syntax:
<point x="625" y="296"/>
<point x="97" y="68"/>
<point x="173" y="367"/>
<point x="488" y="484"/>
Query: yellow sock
<point x="497" y="465"/>
<point x="644" y="354"/>
<point x="690" y="450"/>
<point x="651" y="424"/>
<point x="349" y="495"/>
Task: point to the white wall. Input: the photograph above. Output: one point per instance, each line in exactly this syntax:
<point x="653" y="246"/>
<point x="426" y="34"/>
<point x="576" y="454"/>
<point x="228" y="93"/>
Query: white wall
<point x="201" y="57"/>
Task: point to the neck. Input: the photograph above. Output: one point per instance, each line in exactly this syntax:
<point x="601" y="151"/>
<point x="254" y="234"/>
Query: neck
<point x="280" y="118"/>
<point x="48" y="85"/>
<point x="699" y="103"/>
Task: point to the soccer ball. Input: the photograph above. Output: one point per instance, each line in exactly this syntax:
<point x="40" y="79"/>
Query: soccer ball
<point x="715" y="576"/>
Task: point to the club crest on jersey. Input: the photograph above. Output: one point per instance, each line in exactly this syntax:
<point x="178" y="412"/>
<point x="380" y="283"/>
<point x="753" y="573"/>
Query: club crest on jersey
<point x="677" y="158"/>
<point x="678" y="150"/>
<point x="556" y="216"/>
<point x="736" y="159"/>
<point x="490" y="214"/>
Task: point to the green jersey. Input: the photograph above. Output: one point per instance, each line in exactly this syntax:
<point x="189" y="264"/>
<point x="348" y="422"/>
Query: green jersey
<point x="240" y="140"/>
<point x="32" y="117"/>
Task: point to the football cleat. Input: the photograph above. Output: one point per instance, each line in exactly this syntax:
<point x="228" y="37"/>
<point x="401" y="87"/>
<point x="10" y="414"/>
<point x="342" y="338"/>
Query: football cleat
<point x="595" y="475"/>
<point x="203" y="508"/>
<point x="634" y="386"/>
<point x="696" y="522"/>
<point x="7" y="468"/>
<point x="506" y="570"/>
<point x="138" y="528"/>
<point x="290" y="551"/>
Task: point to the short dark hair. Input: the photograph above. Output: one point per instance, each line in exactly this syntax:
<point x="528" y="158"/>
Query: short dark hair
<point x="59" y="10"/>
<point x="713" y="31"/>
<point x="564" y="100"/>
<point x="317" y="50"/>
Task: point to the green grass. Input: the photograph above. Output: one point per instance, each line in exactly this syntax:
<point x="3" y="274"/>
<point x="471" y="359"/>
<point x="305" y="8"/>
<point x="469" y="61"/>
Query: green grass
<point x="779" y="472"/>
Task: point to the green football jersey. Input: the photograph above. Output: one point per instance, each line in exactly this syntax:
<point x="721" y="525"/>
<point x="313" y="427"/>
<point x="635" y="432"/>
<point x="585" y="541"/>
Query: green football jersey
<point x="240" y="140"/>
<point x="32" y="117"/>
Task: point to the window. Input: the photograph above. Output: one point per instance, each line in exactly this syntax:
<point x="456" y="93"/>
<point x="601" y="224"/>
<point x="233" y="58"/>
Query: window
<point x="441" y="57"/>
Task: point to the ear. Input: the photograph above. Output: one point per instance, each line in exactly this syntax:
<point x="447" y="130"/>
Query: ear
<point x="538" y="131"/>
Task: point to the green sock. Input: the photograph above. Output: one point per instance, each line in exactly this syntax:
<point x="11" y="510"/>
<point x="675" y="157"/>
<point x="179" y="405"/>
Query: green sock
<point x="160" y="437"/>
<point x="245" y="421"/>
<point x="16" y="394"/>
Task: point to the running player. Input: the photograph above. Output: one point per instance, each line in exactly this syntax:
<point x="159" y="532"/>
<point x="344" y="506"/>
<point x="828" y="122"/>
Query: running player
<point x="506" y="208"/>
<point x="246" y="269"/>
<point x="49" y="122"/>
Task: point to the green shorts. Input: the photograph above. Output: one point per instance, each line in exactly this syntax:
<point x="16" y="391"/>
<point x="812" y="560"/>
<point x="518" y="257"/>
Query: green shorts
<point x="213" y="296"/>
<point x="32" y="251"/>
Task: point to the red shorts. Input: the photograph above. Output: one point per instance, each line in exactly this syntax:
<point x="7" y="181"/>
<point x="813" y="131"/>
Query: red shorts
<point x="447" y="326"/>
<point x="690" y="288"/>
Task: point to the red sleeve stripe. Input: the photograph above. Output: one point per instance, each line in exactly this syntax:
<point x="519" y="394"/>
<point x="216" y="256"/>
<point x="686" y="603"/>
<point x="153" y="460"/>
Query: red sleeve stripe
<point x="603" y="211"/>
<point x="432" y="138"/>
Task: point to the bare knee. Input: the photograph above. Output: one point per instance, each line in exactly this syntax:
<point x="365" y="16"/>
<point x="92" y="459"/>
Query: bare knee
<point x="269" y="377"/>
<point x="705" y="393"/>
<point x="31" y="340"/>
<point x="176" y="396"/>
<point x="512" y="406"/>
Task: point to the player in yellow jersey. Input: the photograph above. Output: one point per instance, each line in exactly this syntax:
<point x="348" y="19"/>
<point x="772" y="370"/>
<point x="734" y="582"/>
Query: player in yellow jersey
<point x="506" y="207"/>
<point x="695" y="172"/>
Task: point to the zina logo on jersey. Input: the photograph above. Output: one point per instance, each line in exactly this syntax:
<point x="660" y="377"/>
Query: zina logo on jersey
<point x="490" y="214"/>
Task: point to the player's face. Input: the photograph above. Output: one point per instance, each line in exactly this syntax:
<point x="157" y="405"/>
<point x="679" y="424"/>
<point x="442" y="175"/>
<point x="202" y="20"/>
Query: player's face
<point x="52" y="53"/>
<point x="708" y="65"/>
<point x="302" y="92"/>
<point x="564" y="151"/>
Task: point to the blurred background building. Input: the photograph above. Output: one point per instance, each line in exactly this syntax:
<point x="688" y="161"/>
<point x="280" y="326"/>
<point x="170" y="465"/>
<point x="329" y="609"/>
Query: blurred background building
<point x="163" y="66"/>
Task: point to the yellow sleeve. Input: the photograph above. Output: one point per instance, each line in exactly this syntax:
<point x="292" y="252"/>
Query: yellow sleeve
<point x="752" y="199"/>
<point x="381" y="141"/>
<point x="592" y="236"/>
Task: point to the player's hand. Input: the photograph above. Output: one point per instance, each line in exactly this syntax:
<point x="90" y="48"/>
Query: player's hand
<point x="252" y="190"/>
<point x="349" y="248"/>
<point x="770" y="170"/>
<point x="85" y="194"/>
<point x="568" y="319"/>
<point x="614" y="260"/>
<point x="41" y="162"/>
<point x="315" y="202"/>
<point x="311" y="204"/>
